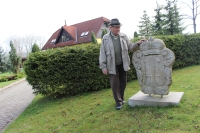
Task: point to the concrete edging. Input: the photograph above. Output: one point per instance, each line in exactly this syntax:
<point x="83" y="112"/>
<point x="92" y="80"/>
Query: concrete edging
<point x="5" y="87"/>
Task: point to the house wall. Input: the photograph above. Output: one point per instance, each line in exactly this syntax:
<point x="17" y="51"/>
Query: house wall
<point x="104" y="26"/>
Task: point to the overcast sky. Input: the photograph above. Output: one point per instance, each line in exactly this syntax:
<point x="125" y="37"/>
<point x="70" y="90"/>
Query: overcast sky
<point x="43" y="18"/>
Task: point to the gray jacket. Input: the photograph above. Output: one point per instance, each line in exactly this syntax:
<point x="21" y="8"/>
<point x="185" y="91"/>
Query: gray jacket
<point x="107" y="54"/>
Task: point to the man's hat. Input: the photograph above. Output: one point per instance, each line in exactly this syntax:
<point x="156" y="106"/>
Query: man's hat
<point x="115" y="22"/>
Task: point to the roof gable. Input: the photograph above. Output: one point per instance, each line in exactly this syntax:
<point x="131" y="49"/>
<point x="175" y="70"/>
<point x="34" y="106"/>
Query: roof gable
<point x="71" y="30"/>
<point x="66" y="33"/>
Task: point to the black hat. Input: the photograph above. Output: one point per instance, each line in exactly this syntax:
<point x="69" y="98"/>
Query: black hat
<point x="115" y="22"/>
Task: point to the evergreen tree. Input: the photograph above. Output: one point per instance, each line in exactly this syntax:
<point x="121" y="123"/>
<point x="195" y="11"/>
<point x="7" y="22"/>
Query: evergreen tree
<point x="172" y="19"/>
<point x="103" y="33"/>
<point x="145" y="25"/>
<point x="14" y="59"/>
<point x="93" y="38"/>
<point x="3" y="61"/>
<point x="135" y="34"/>
<point x="157" y="26"/>
<point x="35" y="48"/>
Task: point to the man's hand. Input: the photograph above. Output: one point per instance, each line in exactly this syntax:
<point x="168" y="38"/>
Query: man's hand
<point x="141" y="41"/>
<point x="105" y="72"/>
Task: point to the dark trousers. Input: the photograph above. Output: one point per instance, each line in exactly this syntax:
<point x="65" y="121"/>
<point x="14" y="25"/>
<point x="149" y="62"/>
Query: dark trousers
<point x="118" y="83"/>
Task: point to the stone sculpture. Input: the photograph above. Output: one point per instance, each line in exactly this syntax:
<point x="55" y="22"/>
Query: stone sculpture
<point x="153" y="64"/>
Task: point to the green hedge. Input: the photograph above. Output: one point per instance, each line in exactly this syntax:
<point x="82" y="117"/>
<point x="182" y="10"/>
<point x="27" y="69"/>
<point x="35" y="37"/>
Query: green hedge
<point x="71" y="70"/>
<point x="185" y="47"/>
<point x="68" y="70"/>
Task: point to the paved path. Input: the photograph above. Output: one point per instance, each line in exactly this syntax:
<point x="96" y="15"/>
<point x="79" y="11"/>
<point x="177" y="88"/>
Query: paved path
<point x="13" y="101"/>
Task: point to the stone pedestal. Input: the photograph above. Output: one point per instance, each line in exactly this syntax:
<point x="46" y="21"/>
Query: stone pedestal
<point x="141" y="99"/>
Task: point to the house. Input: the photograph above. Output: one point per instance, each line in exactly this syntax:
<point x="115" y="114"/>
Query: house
<point x="79" y="33"/>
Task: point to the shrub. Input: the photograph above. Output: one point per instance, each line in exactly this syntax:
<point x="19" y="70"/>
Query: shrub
<point x="185" y="47"/>
<point x="21" y="74"/>
<point x="75" y="69"/>
<point x="68" y="70"/>
<point x="3" y="79"/>
<point x="11" y="77"/>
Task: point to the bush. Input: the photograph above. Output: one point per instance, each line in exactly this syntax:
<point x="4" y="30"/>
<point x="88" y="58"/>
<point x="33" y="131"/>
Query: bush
<point x="68" y="70"/>
<point x="75" y="69"/>
<point x="3" y="79"/>
<point x="11" y="77"/>
<point x="185" y="47"/>
<point x="21" y="74"/>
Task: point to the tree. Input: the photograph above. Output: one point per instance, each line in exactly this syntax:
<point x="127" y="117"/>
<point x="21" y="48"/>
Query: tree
<point x="28" y="42"/>
<point x="193" y="6"/>
<point x="17" y="43"/>
<point x="15" y="60"/>
<point x="40" y="41"/>
<point x="93" y="38"/>
<point x="3" y="61"/>
<point x="157" y="25"/>
<point x="35" y="48"/>
<point x="172" y="20"/>
<point x="135" y="34"/>
<point x="145" y="25"/>
<point x="103" y="33"/>
<point x="24" y="44"/>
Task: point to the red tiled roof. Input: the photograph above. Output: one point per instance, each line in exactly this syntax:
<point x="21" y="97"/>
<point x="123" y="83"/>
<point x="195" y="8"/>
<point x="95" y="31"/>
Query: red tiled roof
<point x="75" y="32"/>
<point x="71" y="30"/>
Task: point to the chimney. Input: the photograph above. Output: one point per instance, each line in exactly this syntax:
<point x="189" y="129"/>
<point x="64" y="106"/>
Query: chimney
<point x="65" y="22"/>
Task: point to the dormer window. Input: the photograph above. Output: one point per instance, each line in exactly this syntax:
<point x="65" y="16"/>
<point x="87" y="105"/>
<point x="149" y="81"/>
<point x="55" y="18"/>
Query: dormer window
<point x="65" y="38"/>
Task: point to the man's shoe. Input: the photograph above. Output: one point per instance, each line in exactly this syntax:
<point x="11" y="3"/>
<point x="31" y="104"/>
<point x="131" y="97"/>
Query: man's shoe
<point x="119" y="106"/>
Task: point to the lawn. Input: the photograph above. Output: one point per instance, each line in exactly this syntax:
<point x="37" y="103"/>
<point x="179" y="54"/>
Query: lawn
<point x="95" y="112"/>
<point x="3" y="84"/>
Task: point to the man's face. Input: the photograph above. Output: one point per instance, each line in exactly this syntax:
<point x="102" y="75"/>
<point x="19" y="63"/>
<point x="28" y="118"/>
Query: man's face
<point x="115" y="30"/>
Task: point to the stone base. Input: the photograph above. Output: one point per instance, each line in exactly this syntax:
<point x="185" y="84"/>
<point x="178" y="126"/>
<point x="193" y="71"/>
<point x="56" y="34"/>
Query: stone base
<point x="141" y="99"/>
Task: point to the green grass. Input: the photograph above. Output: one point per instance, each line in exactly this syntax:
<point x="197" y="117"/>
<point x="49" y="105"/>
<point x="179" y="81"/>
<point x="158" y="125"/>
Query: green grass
<point x="3" y="84"/>
<point x="6" y="74"/>
<point x="95" y="112"/>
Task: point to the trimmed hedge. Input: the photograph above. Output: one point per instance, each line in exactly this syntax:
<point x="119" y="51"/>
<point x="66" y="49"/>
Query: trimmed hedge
<point x="68" y="70"/>
<point x="185" y="47"/>
<point x="75" y="69"/>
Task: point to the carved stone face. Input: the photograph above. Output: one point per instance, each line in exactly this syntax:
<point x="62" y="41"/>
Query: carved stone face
<point x="153" y="64"/>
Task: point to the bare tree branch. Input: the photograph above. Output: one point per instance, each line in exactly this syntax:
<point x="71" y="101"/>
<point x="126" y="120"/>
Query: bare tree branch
<point x="194" y="10"/>
<point x="187" y="16"/>
<point x="186" y="4"/>
<point x="41" y="41"/>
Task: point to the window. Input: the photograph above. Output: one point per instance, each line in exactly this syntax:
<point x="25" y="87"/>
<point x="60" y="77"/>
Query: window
<point x="53" y="41"/>
<point x="84" y="34"/>
<point x="65" y="38"/>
